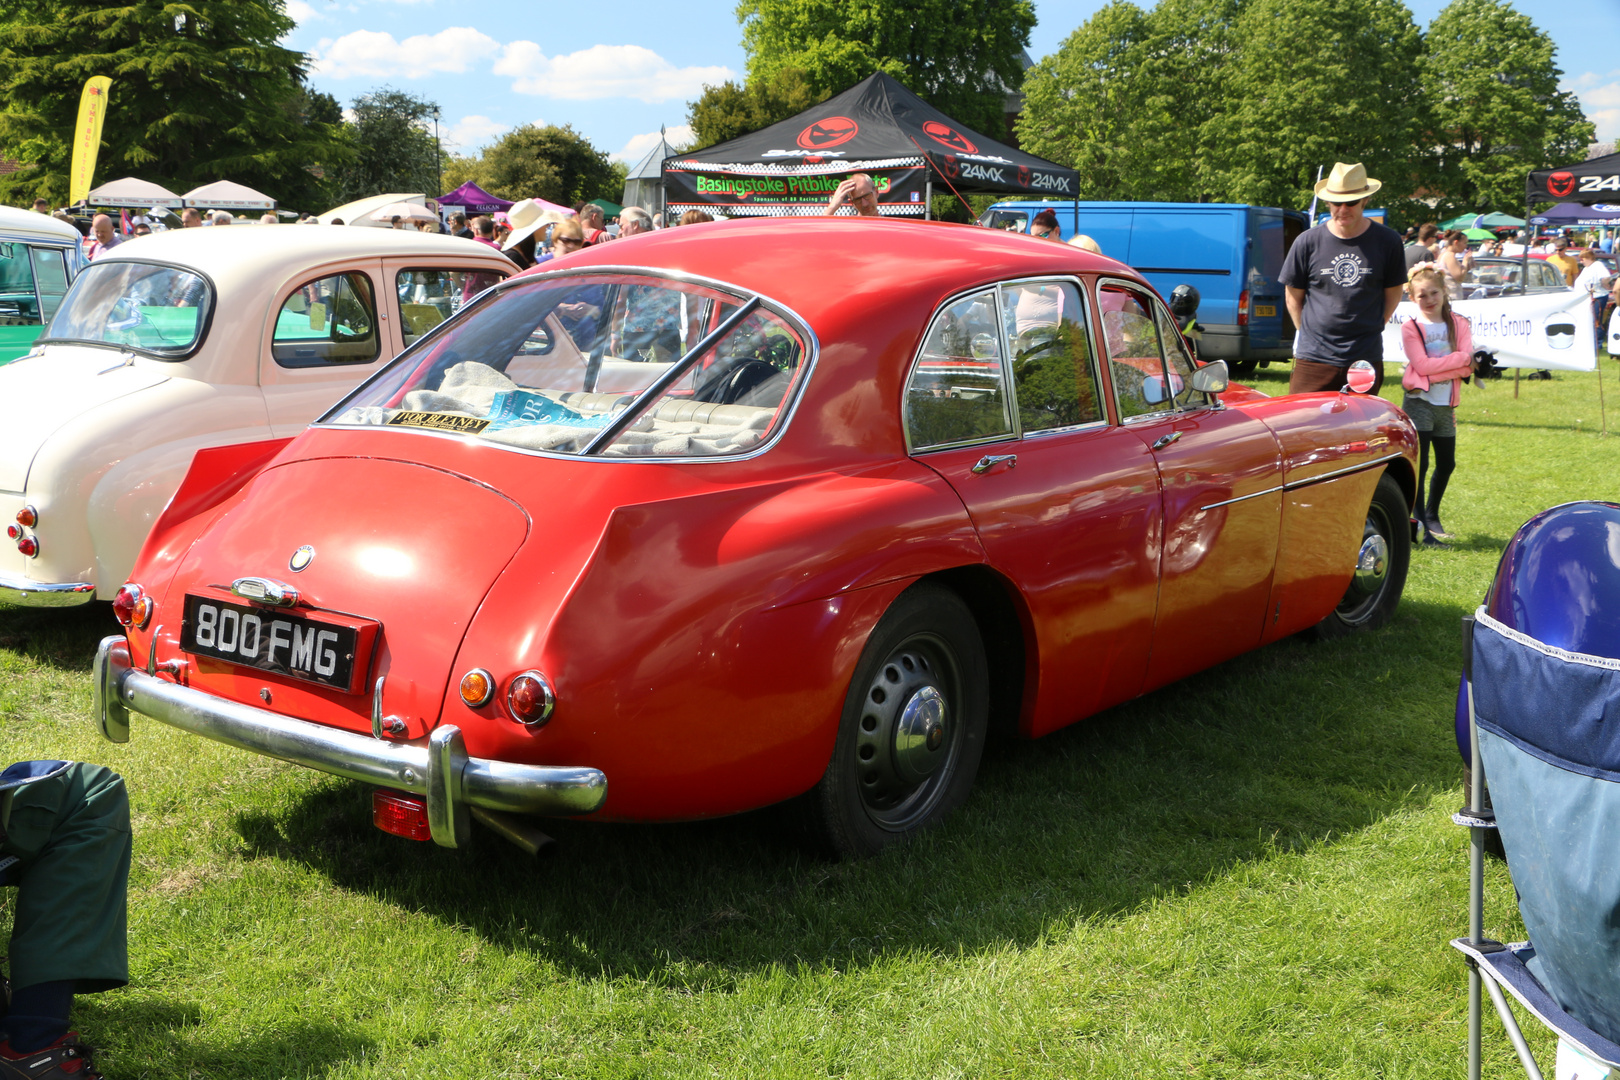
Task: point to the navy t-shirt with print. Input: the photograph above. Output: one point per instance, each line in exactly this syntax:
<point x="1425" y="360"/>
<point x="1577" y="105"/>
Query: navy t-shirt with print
<point x="1344" y="283"/>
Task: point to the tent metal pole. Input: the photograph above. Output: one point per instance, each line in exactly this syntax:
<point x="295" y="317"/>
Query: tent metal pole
<point x="928" y="197"/>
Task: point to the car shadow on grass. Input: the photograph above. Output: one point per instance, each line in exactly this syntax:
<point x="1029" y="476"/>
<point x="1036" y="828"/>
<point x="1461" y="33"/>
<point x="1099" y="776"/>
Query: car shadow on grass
<point x="141" y="1029"/>
<point x="1288" y="747"/>
<point x="62" y="638"/>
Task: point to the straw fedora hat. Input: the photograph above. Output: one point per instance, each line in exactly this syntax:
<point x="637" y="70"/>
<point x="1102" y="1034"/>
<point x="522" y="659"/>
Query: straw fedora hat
<point x="527" y="218"/>
<point x="1346" y="183"/>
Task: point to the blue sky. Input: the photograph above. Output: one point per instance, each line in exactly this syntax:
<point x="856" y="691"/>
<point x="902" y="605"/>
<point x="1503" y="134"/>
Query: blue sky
<point x="618" y="72"/>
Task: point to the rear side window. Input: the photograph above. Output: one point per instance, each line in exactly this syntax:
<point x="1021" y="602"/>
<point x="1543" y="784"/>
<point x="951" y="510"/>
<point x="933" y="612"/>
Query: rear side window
<point x="957" y="393"/>
<point x="331" y="320"/>
<point x="428" y="296"/>
<point x="50" y="279"/>
<point x="1054" y="381"/>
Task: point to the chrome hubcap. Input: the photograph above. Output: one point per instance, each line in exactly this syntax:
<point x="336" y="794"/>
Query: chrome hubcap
<point x="919" y="737"/>
<point x="907" y="734"/>
<point x="1371" y="564"/>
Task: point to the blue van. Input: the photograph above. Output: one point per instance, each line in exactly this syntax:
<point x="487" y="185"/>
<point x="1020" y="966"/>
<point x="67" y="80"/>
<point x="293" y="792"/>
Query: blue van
<point x="1230" y="252"/>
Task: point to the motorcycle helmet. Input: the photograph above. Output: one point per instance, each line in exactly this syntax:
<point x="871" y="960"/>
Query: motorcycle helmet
<point x="1184" y="301"/>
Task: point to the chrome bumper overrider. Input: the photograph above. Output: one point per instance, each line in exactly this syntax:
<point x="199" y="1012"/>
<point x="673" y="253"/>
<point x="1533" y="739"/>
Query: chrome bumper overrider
<point x="24" y="593"/>
<point x="441" y="771"/>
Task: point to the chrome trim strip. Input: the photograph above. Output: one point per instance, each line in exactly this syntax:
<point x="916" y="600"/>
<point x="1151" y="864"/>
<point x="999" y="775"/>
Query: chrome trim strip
<point x="24" y="593"/>
<point x="1346" y="471"/>
<point x="493" y="785"/>
<point x="1243" y="498"/>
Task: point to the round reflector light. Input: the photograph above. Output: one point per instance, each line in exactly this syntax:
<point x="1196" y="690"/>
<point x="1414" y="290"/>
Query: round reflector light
<point x="14" y="532"/>
<point x="477" y="687"/>
<point x="530" y="698"/>
<point x="28" y="517"/>
<point x="123" y="604"/>
<point x="29" y="546"/>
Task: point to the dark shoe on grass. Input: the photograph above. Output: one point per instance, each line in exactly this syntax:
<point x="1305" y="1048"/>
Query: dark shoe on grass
<point x="1433" y="527"/>
<point x="65" y="1059"/>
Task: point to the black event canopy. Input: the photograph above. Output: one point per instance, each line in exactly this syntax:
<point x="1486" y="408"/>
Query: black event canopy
<point x="1595" y="181"/>
<point x="876" y="126"/>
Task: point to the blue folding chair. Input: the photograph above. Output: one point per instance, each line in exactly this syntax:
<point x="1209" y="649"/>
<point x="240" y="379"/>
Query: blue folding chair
<point x="1544" y="730"/>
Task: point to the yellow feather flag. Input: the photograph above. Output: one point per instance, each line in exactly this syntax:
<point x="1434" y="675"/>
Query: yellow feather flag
<point x="87" y="137"/>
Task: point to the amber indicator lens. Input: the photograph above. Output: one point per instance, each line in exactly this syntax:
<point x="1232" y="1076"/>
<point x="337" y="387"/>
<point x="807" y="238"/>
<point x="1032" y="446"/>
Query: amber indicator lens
<point x="400" y="814"/>
<point x="144" y="605"/>
<point x="27" y="517"/>
<point x="124" y="603"/>
<point x="477" y="687"/>
<point x="530" y="698"/>
<point x="28" y="546"/>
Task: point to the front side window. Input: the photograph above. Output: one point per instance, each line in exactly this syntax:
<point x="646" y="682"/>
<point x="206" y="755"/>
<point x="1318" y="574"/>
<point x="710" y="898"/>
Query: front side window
<point x="159" y="310"/>
<point x="957" y="393"/>
<point x="1135" y="362"/>
<point x="427" y="297"/>
<point x="332" y="320"/>
<point x="601" y="363"/>
<point x="1180" y="364"/>
<point x="50" y="279"/>
<point x="1054" y="382"/>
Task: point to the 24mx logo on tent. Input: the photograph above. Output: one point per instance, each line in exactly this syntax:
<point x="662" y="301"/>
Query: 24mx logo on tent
<point x="946" y="135"/>
<point x="832" y="131"/>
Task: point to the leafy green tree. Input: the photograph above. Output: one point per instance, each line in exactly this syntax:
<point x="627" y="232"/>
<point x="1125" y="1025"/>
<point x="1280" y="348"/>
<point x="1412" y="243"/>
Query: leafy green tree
<point x="1497" y="110"/>
<point x="553" y="163"/>
<point x="201" y="92"/>
<point x="961" y="56"/>
<point x="726" y="111"/>
<point x="393" y="146"/>
<point x="1311" y="83"/>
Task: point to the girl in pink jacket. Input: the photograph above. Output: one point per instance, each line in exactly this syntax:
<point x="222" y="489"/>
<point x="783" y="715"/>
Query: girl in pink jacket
<point x="1439" y="355"/>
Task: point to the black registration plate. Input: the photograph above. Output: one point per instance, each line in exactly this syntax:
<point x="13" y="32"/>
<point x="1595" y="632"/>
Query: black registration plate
<point x="312" y="649"/>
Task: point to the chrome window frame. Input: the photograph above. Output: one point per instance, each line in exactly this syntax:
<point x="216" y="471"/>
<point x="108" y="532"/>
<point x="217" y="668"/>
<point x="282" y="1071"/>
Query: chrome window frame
<point x="785" y="412"/>
<point x="1092" y="327"/>
<point x="1164" y="364"/>
<point x="167" y="358"/>
<point x="1013" y="432"/>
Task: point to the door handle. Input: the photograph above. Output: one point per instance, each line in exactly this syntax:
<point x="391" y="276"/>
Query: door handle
<point x="990" y="461"/>
<point x="1165" y="440"/>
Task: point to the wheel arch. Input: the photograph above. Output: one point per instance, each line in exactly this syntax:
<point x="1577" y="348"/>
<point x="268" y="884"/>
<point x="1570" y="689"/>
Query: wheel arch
<point x="1004" y="625"/>
<point x="1400" y="470"/>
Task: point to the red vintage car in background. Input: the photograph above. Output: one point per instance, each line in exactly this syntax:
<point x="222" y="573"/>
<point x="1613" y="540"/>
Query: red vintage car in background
<point x="722" y="516"/>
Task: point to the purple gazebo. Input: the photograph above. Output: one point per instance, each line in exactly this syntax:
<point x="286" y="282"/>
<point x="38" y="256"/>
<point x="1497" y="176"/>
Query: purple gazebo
<point x="475" y="200"/>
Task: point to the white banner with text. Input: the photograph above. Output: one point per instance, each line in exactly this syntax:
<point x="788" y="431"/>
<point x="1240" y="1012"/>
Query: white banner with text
<point x="1542" y="330"/>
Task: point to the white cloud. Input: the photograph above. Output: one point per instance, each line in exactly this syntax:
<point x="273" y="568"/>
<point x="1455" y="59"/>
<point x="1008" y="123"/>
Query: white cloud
<point x="603" y="71"/>
<point x="375" y="54"/>
<point x="639" y="145"/>
<point x="1599" y="93"/>
<point x="472" y="132"/>
<point x="300" y="12"/>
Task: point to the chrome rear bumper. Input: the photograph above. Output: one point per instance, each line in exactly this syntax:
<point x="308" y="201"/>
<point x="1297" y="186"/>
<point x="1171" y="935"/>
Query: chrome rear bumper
<point x="441" y="771"/>
<point x="20" y="592"/>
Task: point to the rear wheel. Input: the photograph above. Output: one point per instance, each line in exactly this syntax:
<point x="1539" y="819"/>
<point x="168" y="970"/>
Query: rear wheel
<point x="1240" y="368"/>
<point x="912" y="729"/>
<point x="1381" y="564"/>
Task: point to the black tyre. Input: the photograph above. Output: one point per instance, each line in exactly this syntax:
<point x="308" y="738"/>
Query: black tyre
<point x="1381" y="564"/>
<point x="1240" y="368"/>
<point x="912" y="730"/>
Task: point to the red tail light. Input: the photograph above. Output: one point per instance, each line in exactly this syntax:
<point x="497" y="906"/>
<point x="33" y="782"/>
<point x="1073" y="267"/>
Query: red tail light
<point x="1243" y="308"/>
<point x="530" y="699"/>
<point x="28" y="546"/>
<point x="400" y="814"/>
<point x="124" y="603"/>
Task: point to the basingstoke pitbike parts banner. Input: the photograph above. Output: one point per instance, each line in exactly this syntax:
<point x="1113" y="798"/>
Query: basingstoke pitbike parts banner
<point x="1543" y="330"/>
<point x="748" y="190"/>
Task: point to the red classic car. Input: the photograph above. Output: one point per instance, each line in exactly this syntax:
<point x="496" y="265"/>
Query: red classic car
<point x="746" y="512"/>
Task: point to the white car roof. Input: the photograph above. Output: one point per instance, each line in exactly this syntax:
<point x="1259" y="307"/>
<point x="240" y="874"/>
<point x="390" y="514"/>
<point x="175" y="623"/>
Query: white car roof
<point x="26" y="225"/>
<point x="247" y="256"/>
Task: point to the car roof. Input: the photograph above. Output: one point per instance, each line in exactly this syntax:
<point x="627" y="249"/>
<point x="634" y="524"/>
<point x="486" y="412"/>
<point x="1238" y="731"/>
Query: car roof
<point x="234" y="255"/>
<point x="817" y="266"/>
<point x="27" y="223"/>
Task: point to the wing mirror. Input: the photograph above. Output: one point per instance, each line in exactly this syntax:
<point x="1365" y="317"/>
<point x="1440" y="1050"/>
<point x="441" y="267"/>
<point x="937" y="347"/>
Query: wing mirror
<point x="1360" y="377"/>
<point x="1212" y="378"/>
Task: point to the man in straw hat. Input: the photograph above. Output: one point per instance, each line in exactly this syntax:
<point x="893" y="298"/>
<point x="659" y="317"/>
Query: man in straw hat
<point x="1343" y="279"/>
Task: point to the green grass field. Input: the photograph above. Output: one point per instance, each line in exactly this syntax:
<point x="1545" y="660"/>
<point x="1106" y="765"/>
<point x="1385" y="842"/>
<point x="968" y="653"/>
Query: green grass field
<point x="1251" y="873"/>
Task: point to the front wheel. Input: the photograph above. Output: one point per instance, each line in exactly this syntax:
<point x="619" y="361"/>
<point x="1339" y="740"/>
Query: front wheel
<point x="913" y="726"/>
<point x="1381" y="564"/>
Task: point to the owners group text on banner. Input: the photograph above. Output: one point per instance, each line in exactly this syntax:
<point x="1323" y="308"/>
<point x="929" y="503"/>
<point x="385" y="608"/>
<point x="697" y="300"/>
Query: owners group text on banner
<point x="1549" y="330"/>
<point x="87" y="137"/>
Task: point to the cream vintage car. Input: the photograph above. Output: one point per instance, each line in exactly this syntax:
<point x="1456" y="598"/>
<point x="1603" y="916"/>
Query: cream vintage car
<point x="187" y="340"/>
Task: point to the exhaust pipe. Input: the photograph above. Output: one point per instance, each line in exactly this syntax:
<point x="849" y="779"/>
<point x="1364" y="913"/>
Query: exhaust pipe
<point x="516" y="829"/>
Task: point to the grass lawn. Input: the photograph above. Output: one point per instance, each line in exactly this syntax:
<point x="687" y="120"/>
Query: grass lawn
<point x="1251" y="873"/>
